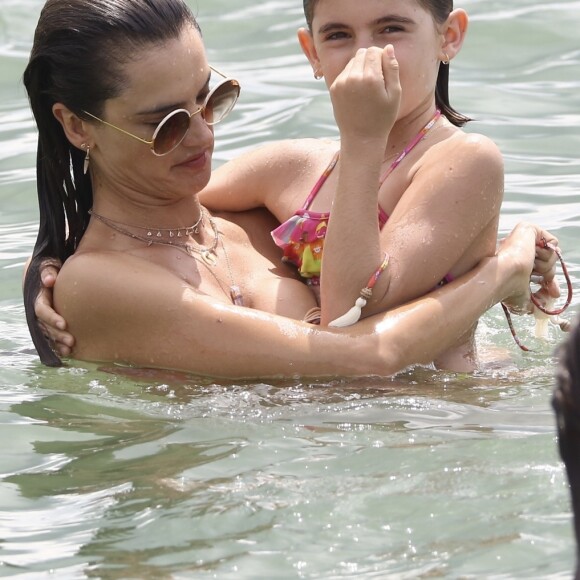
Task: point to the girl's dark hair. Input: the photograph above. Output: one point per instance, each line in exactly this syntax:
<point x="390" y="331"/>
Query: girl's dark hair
<point x="77" y="58"/>
<point x="440" y="10"/>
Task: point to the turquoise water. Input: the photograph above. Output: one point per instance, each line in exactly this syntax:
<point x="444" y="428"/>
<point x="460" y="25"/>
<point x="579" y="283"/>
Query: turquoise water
<point x="428" y="474"/>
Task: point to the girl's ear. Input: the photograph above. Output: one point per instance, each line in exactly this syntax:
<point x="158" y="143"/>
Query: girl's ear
<point x="75" y="129"/>
<point x="454" y="32"/>
<point x="307" y="44"/>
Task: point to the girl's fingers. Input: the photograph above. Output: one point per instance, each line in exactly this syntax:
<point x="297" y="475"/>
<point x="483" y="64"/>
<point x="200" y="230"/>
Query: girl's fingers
<point x="391" y="72"/>
<point x="365" y="102"/>
<point x="355" y="64"/>
<point x="373" y="59"/>
<point x="366" y="60"/>
<point x="389" y="61"/>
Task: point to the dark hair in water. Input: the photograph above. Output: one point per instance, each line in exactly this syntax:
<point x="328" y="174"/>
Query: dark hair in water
<point x="566" y="403"/>
<point x="77" y="58"/>
<point x="440" y="10"/>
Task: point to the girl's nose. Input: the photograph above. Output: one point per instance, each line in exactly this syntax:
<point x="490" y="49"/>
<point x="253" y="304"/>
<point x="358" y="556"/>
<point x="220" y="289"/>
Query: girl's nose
<point x="364" y="41"/>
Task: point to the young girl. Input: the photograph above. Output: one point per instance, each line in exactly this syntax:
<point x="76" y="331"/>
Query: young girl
<point x="405" y="178"/>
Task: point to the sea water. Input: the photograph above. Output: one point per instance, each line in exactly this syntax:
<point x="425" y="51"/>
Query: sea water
<point x="427" y="474"/>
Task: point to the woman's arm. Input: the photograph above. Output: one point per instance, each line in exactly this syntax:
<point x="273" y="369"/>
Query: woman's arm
<point x="259" y="178"/>
<point x="237" y="185"/>
<point x="112" y="321"/>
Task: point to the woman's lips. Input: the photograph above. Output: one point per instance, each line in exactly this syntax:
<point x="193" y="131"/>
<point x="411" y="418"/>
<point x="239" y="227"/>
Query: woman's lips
<point x="195" y="161"/>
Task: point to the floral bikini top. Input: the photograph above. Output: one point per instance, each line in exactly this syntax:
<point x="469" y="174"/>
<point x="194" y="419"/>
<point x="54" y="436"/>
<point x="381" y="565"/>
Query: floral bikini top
<point x="302" y="236"/>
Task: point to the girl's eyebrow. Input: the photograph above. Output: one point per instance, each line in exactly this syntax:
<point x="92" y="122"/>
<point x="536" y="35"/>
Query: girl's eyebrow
<point x="388" y="19"/>
<point x="330" y="26"/>
<point x="168" y="108"/>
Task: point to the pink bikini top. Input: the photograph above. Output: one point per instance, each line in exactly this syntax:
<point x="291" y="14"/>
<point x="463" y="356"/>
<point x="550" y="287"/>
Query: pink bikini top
<point x="301" y="237"/>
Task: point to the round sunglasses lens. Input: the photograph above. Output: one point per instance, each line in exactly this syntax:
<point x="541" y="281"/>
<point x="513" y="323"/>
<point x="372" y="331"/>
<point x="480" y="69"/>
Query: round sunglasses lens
<point x="221" y="101"/>
<point x="170" y="132"/>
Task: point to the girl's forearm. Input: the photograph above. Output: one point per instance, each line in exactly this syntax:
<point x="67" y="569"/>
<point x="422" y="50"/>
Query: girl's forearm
<point x="352" y="249"/>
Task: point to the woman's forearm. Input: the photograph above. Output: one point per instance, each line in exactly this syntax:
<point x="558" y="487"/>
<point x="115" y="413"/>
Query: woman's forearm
<point x="384" y="344"/>
<point x="420" y="331"/>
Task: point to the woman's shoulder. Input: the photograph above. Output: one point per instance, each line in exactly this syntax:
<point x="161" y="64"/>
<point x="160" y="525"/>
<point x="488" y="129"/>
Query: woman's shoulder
<point x="101" y="276"/>
<point x="107" y="293"/>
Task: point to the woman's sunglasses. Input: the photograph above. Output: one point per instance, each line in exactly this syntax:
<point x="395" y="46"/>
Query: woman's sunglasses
<point x="172" y="130"/>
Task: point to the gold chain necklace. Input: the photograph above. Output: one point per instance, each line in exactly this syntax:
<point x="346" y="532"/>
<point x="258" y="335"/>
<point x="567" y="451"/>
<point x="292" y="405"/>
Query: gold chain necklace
<point x="207" y="253"/>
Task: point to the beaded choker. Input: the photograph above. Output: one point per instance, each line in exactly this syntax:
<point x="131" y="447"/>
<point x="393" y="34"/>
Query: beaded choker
<point x="207" y="253"/>
<point x="157" y="232"/>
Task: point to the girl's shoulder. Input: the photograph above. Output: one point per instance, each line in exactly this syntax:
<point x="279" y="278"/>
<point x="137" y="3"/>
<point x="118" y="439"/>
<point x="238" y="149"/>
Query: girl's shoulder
<point x="460" y="148"/>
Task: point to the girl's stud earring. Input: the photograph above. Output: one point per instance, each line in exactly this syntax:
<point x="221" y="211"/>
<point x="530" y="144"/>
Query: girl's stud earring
<point x="318" y="75"/>
<point x="445" y="60"/>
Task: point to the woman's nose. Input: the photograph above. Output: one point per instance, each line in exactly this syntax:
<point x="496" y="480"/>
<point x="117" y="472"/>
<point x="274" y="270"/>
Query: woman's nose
<point x="198" y="131"/>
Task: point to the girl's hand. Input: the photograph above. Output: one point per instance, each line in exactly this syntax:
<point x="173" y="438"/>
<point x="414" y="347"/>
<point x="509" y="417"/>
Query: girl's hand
<point x="366" y="95"/>
<point x="52" y="324"/>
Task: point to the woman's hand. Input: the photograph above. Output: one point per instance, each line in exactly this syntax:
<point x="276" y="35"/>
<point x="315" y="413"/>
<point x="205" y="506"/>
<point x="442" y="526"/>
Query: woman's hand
<point x="366" y="95"/>
<point x="545" y="263"/>
<point x="52" y="324"/>
<point x="525" y="247"/>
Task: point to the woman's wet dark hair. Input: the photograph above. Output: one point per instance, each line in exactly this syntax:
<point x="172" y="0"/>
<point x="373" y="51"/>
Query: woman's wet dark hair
<point x="566" y="404"/>
<point x="77" y="58"/>
<point x="440" y="10"/>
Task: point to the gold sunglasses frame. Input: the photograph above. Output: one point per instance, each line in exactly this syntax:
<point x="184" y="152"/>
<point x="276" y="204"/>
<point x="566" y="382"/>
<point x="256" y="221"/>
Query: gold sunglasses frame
<point x="168" y="116"/>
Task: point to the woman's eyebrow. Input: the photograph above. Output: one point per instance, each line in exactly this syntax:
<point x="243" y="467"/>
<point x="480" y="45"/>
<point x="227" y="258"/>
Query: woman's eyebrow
<point x="170" y="107"/>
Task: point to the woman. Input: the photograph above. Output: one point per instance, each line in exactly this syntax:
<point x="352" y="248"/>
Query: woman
<point x="438" y="190"/>
<point x="121" y="95"/>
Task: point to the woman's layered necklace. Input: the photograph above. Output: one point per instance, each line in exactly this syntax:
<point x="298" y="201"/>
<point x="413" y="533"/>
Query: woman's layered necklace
<point x="174" y="237"/>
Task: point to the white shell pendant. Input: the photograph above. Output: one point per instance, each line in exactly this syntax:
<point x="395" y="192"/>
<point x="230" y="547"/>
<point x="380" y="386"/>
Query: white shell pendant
<point x="209" y="257"/>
